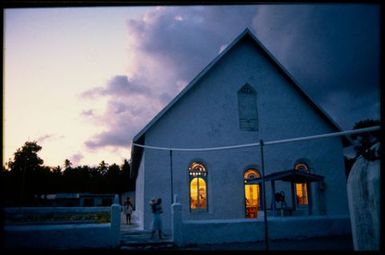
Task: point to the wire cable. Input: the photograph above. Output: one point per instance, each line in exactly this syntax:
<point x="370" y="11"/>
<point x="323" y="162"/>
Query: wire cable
<point x="349" y="132"/>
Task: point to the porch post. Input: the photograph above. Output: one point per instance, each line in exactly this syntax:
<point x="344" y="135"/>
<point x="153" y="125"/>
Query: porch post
<point x="115" y="221"/>
<point x="176" y="223"/>
<point x="293" y="197"/>
<point x="309" y="200"/>
<point x="273" y="196"/>
<point x="261" y="197"/>
<point x="264" y="197"/>
<point x="171" y="179"/>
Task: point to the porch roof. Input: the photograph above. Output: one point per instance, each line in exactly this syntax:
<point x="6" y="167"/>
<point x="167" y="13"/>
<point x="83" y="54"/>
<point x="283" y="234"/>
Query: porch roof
<point x="292" y="175"/>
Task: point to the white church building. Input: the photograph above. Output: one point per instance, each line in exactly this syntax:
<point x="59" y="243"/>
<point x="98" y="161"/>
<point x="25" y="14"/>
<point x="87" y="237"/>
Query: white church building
<point x="243" y="96"/>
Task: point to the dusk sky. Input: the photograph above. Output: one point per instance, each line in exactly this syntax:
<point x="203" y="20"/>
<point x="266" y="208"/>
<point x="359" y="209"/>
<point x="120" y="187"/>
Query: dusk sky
<point x="83" y="81"/>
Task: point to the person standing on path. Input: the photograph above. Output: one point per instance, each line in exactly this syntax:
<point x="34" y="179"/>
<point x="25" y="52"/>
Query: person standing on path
<point x="127" y="210"/>
<point x="156" y="207"/>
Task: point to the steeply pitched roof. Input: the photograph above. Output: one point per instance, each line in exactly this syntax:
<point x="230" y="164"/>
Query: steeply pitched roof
<point x="139" y="138"/>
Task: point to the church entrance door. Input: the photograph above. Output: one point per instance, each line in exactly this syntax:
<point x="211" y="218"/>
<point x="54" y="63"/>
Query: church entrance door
<point x="252" y="195"/>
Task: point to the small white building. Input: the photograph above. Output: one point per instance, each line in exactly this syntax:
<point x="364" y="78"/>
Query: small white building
<point x="244" y="95"/>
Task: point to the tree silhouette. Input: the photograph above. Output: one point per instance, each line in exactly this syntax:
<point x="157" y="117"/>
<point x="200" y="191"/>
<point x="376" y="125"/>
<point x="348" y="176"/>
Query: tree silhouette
<point x="112" y="179"/>
<point x="56" y="180"/>
<point x="67" y="164"/>
<point x="26" y="181"/>
<point x="25" y="169"/>
<point x="364" y="141"/>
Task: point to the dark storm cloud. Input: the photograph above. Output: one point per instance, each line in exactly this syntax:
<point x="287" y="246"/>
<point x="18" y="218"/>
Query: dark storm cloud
<point x="187" y="38"/>
<point x="332" y="50"/>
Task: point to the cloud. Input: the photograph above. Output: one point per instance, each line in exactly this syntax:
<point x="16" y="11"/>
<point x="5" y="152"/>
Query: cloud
<point x="109" y="138"/>
<point x="185" y="47"/>
<point x="121" y="85"/>
<point x="44" y="138"/>
<point x="92" y="93"/>
<point x="41" y="139"/>
<point x="118" y="86"/>
<point x="330" y="49"/>
<point x="87" y="113"/>
<point x="168" y="47"/>
<point x="122" y="120"/>
<point x="343" y="105"/>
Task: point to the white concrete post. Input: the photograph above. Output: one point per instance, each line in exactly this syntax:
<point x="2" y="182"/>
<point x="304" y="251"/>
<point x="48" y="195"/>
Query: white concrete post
<point x="363" y="187"/>
<point x="176" y="222"/>
<point x="115" y="221"/>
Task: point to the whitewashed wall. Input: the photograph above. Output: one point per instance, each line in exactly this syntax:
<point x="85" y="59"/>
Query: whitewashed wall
<point x="207" y="116"/>
<point x="251" y="230"/>
<point x="140" y="212"/>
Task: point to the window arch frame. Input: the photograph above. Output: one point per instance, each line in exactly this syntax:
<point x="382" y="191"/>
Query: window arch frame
<point x="196" y="175"/>
<point x="251" y="169"/>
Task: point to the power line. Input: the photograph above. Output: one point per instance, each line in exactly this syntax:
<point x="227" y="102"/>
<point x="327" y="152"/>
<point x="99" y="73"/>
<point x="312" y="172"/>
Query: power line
<point x="349" y="132"/>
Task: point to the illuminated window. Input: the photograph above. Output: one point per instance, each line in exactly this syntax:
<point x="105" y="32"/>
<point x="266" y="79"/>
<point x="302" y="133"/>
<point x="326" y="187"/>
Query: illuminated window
<point x="198" y="186"/>
<point x="301" y="188"/>
<point x="252" y="193"/>
<point x="247" y="107"/>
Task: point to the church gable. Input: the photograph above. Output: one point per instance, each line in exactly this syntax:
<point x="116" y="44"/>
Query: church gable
<point x="244" y="97"/>
<point x="201" y="99"/>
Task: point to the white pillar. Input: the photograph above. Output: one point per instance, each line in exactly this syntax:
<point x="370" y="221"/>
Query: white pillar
<point x="115" y="221"/>
<point x="363" y="187"/>
<point x="176" y="223"/>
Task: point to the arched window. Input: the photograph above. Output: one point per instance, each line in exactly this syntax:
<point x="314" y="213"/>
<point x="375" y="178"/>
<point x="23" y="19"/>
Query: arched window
<point x="301" y="188"/>
<point x="247" y="107"/>
<point x="198" y="186"/>
<point x="252" y="192"/>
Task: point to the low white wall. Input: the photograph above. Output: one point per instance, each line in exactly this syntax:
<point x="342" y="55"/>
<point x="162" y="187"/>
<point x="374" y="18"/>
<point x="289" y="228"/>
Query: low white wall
<point x="221" y="231"/>
<point x="68" y="236"/>
<point x="308" y="226"/>
<point x="64" y="236"/>
<point x="247" y="230"/>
